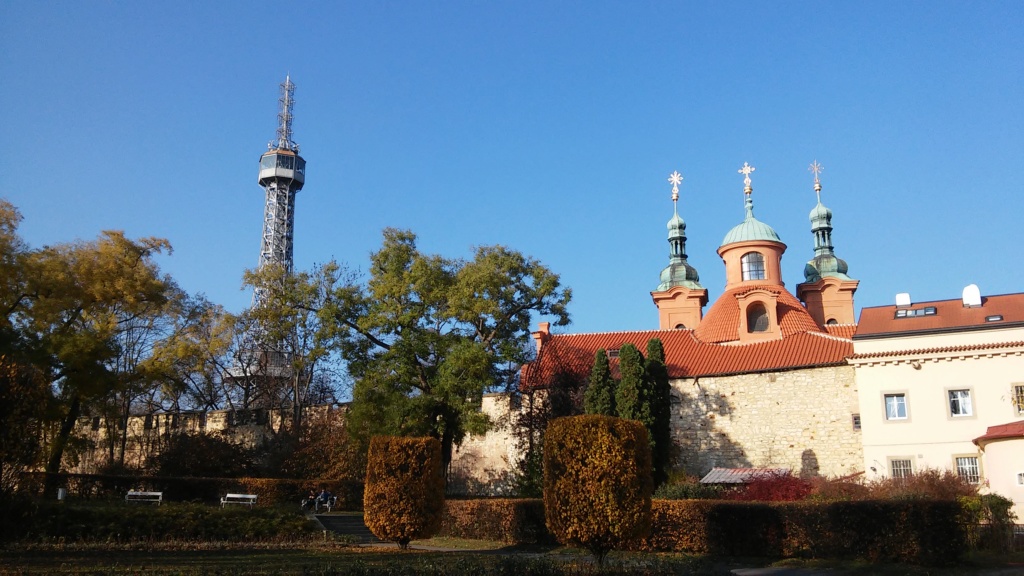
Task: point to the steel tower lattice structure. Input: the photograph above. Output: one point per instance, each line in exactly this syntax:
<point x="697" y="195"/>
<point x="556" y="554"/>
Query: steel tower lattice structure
<point x="282" y="174"/>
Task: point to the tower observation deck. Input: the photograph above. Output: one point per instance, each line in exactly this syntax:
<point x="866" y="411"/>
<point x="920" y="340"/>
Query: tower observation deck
<point x="282" y="174"/>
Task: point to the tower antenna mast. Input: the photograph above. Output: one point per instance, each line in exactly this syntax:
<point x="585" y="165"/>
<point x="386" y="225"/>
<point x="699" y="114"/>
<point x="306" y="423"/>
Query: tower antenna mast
<point x="282" y="174"/>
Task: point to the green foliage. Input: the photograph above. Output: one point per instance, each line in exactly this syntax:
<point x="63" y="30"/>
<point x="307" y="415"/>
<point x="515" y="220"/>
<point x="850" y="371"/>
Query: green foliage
<point x="989" y="521"/>
<point x="428" y="335"/>
<point x="561" y="396"/>
<point x="660" y="402"/>
<point x="688" y="489"/>
<point x="404" y="492"/>
<point x="597" y="482"/>
<point x="633" y="398"/>
<point x="600" y="395"/>
<point x="295" y="317"/>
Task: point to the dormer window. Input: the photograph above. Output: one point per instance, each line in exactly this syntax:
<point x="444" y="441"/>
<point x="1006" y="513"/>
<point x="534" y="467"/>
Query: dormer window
<point x="757" y="318"/>
<point x="752" y="266"/>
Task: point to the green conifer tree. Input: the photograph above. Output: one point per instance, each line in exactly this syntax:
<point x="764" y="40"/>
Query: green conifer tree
<point x="632" y="398"/>
<point x="661" y="410"/>
<point x="600" y="395"/>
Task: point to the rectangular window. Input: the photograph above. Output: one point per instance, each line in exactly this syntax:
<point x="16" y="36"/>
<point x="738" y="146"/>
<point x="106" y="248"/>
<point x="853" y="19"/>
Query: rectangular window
<point x="901" y="469"/>
<point x="856" y="421"/>
<point x="960" y="403"/>
<point x="895" y="406"/>
<point x="1020" y="478"/>
<point x="908" y="313"/>
<point x="1018" y="398"/>
<point x="967" y="468"/>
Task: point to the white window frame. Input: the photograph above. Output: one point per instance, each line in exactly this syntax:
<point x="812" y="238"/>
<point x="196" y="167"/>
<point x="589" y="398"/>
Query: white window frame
<point x="901" y="459"/>
<point x="1018" y="399"/>
<point x="960" y="403"/>
<point x="1020" y="478"/>
<point x="905" y="403"/>
<point x="752" y="266"/>
<point x="966" y="471"/>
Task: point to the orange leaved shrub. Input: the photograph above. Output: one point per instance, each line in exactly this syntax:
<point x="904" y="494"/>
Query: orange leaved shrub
<point x="509" y="520"/>
<point x="912" y="531"/>
<point x="403" y="498"/>
<point x="597" y="482"/>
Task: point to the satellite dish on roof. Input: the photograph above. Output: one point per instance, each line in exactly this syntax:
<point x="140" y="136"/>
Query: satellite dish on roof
<point x="903" y="299"/>
<point x="972" y="296"/>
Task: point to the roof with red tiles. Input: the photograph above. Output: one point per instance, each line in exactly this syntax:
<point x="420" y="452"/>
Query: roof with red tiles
<point x="939" y="350"/>
<point x="721" y="322"/>
<point x="841" y="330"/>
<point x="685" y="355"/>
<point x="1001" y="432"/>
<point x="941" y="316"/>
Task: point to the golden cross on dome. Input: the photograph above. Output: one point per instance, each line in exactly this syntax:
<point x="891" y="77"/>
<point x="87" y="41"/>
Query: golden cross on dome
<point x="817" y="169"/>
<point x="676" y="179"/>
<point x="746" y="170"/>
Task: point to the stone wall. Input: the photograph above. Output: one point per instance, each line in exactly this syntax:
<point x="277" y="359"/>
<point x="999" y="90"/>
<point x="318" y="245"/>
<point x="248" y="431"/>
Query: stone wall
<point x="798" y="419"/>
<point x="97" y="438"/>
<point x="483" y="464"/>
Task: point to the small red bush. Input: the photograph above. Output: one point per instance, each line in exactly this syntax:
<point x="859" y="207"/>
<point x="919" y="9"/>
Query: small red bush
<point x="773" y="487"/>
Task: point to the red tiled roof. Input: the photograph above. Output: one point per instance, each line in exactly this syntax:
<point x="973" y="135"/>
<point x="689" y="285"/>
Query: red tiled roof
<point x="939" y="350"/>
<point x="841" y="330"/>
<point x="722" y="321"/>
<point x="949" y="315"/>
<point x="685" y="355"/>
<point x="1002" y="431"/>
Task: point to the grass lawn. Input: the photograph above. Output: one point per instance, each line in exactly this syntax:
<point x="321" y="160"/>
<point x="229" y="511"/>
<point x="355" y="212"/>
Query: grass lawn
<point x="479" y="557"/>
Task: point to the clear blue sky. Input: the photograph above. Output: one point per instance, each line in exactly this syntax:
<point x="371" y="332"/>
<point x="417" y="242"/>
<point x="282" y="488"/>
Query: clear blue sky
<point x="549" y="127"/>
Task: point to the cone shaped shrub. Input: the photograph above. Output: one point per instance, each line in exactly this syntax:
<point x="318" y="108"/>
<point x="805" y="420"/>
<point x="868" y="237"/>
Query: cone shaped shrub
<point x="404" y="494"/>
<point x="600" y="395"/>
<point x="597" y="482"/>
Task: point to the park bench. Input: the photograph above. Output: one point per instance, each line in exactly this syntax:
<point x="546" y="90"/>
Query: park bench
<point x="138" y="496"/>
<point x="248" y="499"/>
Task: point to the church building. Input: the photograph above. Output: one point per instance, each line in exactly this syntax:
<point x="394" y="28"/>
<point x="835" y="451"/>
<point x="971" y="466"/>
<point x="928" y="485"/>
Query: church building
<point x="761" y="379"/>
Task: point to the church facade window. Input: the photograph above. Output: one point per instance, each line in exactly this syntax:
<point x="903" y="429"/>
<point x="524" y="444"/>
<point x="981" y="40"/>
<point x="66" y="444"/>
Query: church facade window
<point x="752" y="266"/>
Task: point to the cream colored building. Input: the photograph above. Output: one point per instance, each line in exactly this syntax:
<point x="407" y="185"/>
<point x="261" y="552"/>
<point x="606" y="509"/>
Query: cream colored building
<point x="933" y="377"/>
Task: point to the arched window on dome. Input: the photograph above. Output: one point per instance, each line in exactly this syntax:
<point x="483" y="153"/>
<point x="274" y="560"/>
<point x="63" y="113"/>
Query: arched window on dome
<point x="752" y="265"/>
<point x="757" y="318"/>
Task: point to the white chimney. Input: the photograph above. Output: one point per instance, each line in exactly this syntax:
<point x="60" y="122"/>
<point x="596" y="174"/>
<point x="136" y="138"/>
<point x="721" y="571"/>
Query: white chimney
<point x="972" y="296"/>
<point x="902" y="299"/>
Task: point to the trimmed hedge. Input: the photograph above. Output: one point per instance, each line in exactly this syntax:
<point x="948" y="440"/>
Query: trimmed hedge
<point x="509" y="520"/>
<point x="404" y="494"/>
<point x="915" y="532"/>
<point x="597" y="481"/>
<point x="922" y="532"/>
<point x="88" y="522"/>
<point x="271" y="491"/>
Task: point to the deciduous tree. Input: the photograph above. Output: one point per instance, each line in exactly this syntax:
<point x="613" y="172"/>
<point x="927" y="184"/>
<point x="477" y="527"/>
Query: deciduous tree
<point x="428" y="335"/>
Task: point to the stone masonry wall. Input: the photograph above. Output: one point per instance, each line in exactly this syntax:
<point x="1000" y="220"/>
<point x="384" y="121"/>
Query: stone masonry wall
<point x="799" y="419"/>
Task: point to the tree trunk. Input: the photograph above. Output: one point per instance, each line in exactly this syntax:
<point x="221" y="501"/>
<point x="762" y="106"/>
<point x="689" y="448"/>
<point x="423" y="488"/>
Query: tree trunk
<point x="59" y="443"/>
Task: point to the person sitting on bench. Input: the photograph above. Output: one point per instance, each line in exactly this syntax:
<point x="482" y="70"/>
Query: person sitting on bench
<point x="324" y="499"/>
